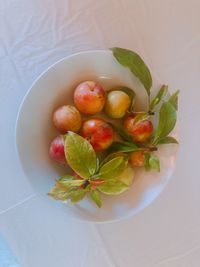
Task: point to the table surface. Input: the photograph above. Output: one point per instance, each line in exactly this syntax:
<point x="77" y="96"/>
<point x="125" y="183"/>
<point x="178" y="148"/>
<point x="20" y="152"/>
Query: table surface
<point x="33" y="35"/>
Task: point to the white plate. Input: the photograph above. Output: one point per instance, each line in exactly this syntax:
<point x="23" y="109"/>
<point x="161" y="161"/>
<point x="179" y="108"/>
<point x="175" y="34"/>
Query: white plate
<point x="34" y="132"/>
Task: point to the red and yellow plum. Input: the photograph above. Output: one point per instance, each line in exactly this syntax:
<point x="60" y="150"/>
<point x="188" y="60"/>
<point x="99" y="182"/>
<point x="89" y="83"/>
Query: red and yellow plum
<point x="89" y="97"/>
<point x="98" y="132"/>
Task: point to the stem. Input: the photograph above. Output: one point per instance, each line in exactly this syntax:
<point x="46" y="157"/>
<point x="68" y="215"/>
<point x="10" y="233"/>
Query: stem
<point x="154" y="148"/>
<point x="139" y="112"/>
<point x="149" y="100"/>
<point x="150" y="149"/>
<point x="151" y="113"/>
<point x="86" y="184"/>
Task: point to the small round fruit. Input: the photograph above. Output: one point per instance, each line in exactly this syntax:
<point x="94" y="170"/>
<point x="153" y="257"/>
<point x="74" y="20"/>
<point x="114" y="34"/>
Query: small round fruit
<point x="98" y="132"/>
<point x="117" y="104"/>
<point x="141" y="131"/>
<point x="89" y="97"/>
<point x="56" y="150"/>
<point x="67" y="118"/>
<point x="137" y="159"/>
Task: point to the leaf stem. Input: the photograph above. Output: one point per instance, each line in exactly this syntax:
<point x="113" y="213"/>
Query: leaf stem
<point x="148" y="149"/>
<point x="149" y="100"/>
<point x="151" y="113"/>
<point x="153" y="148"/>
<point x="86" y="184"/>
<point x="139" y="112"/>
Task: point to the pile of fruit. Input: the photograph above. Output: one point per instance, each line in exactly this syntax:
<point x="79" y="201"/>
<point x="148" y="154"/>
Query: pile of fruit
<point x="103" y="138"/>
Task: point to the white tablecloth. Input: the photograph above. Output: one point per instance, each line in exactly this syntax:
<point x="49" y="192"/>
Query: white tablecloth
<point x="33" y="35"/>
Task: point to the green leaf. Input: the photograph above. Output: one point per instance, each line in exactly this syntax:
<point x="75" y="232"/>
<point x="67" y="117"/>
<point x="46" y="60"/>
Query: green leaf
<point x="161" y="93"/>
<point x="151" y="162"/>
<point x="77" y="195"/>
<point x="167" y="121"/>
<point x="136" y="65"/>
<point x="70" y="181"/>
<point x="59" y="192"/>
<point x="65" y="192"/>
<point x="97" y="166"/>
<point x="154" y="162"/>
<point x="123" y="147"/>
<point x="80" y="155"/>
<point x="131" y="94"/>
<point x="146" y="162"/>
<point x="167" y="140"/>
<point x="173" y="100"/>
<point x="126" y="176"/>
<point x="112" y="168"/>
<point x="95" y="196"/>
<point x="113" y="187"/>
<point x="112" y="156"/>
<point x="120" y="130"/>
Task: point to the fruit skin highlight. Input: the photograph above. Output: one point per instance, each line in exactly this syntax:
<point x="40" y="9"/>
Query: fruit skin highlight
<point x="98" y="132"/>
<point x="89" y="97"/>
<point x="67" y="118"/>
<point x="137" y="159"/>
<point x="117" y="104"/>
<point x="141" y="131"/>
<point x="56" y="150"/>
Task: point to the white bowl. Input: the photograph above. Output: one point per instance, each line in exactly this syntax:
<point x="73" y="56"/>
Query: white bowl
<point x="34" y="131"/>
